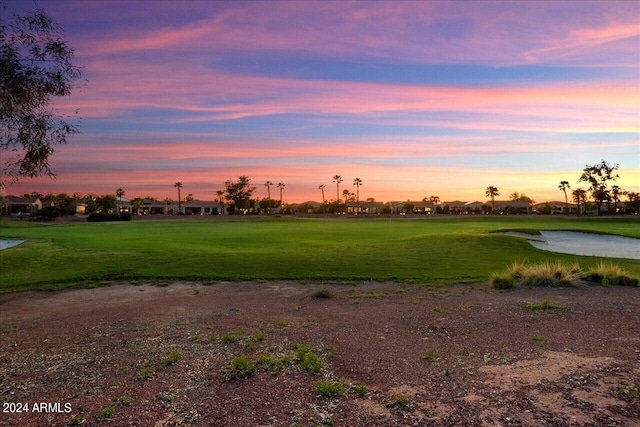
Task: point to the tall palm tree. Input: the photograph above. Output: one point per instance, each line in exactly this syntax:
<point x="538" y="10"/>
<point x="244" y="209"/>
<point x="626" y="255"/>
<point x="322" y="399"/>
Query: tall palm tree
<point x="492" y="192"/>
<point x="268" y="184"/>
<point x="579" y="195"/>
<point x="281" y="186"/>
<point x="220" y="193"/>
<point x="563" y="186"/>
<point x="178" y="185"/>
<point x="321" y="188"/>
<point x="357" y="182"/>
<point x="337" y="179"/>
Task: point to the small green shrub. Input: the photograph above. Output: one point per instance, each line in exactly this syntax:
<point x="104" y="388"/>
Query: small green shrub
<point x="107" y="412"/>
<point x="124" y="400"/>
<point x="307" y="360"/>
<point x="171" y="359"/>
<point x="361" y="390"/>
<point x="271" y="362"/>
<point x="259" y="336"/>
<point x="234" y="336"/>
<point x="631" y="391"/>
<point x="431" y="355"/>
<point x="146" y="373"/>
<point x="399" y="401"/>
<point x="543" y="305"/>
<point x="240" y="367"/>
<point x="537" y="337"/>
<point x="77" y="420"/>
<point x="329" y="388"/>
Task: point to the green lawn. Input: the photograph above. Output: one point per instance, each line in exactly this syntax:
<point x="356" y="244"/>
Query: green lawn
<point x="439" y="251"/>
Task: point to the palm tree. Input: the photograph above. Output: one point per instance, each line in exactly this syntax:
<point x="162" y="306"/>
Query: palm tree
<point x="220" y="193"/>
<point x="563" y="186"/>
<point x="281" y="186"/>
<point x="357" y="182"/>
<point x="178" y="185"/>
<point x="337" y="179"/>
<point x="321" y="188"/>
<point x="346" y="195"/>
<point x="119" y="194"/>
<point x="579" y="195"/>
<point x="268" y="184"/>
<point x="492" y="192"/>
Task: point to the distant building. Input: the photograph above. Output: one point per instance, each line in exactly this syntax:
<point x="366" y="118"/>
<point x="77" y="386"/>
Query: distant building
<point x="14" y="205"/>
<point x="555" y="208"/>
<point x="365" y="207"/>
<point x="419" y="207"/>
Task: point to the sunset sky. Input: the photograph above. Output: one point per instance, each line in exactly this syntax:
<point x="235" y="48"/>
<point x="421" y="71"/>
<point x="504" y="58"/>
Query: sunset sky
<point x="414" y="98"/>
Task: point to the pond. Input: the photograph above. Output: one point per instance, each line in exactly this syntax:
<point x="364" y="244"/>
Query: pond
<point x="576" y="243"/>
<point x="6" y="243"/>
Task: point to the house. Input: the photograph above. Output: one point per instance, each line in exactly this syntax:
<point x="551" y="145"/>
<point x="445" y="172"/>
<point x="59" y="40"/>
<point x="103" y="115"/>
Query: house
<point x="555" y="208"/>
<point x="475" y="207"/>
<point x="455" y="207"/>
<point x="365" y="207"/>
<point x="14" y="205"/>
<point x="199" y="207"/>
<point x="421" y="207"/>
<point x="306" y="207"/>
<point x="513" y="207"/>
<point x="499" y="206"/>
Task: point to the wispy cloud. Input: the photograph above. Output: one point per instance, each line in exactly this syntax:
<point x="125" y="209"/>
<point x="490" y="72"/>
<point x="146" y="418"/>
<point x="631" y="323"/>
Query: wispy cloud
<point x="205" y="91"/>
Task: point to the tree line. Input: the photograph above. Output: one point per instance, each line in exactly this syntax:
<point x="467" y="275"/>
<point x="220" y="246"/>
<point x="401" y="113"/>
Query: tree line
<point x="237" y="197"/>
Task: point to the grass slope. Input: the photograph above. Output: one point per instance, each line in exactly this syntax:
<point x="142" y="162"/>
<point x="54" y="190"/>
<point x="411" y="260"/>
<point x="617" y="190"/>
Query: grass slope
<point x="440" y="250"/>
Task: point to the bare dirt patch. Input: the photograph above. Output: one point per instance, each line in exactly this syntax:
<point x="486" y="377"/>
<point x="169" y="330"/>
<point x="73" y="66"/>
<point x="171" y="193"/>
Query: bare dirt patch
<point x="405" y="354"/>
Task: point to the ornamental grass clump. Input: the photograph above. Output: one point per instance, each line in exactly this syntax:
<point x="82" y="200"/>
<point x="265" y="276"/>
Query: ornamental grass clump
<point x="547" y="274"/>
<point x="608" y="274"/>
<point x="551" y="274"/>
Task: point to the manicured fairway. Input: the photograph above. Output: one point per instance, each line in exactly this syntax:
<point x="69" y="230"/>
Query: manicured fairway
<point x="434" y="250"/>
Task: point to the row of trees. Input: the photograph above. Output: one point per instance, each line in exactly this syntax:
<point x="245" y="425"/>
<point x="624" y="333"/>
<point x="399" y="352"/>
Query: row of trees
<point x="598" y="177"/>
<point x="239" y="196"/>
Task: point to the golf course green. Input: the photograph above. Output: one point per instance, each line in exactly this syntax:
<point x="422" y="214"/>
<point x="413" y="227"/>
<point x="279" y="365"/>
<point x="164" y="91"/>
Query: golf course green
<point x="441" y="250"/>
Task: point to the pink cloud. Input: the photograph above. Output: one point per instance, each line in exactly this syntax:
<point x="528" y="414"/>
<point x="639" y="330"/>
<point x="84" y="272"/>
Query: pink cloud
<point x="471" y="32"/>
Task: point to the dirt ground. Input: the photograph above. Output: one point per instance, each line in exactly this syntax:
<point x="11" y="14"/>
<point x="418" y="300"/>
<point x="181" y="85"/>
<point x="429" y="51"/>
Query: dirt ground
<point x="403" y="355"/>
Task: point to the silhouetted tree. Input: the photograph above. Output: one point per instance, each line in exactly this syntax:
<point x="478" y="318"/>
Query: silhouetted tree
<point x="239" y="192"/>
<point x="598" y="177"/>
<point x="492" y="192"/>
<point x="220" y="193"/>
<point x="616" y="192"/>
<point x="178" y="185"/>
<point x="324" y="201"/>
<point x="36" y="64"/>
<point x="281" y="187"/>
<point x="357" y="182"/>
<point x="268" y="184"/>
<point x="563" y="186"/>
<point x="579" y="196"/>
<point x="337" y="179"/>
